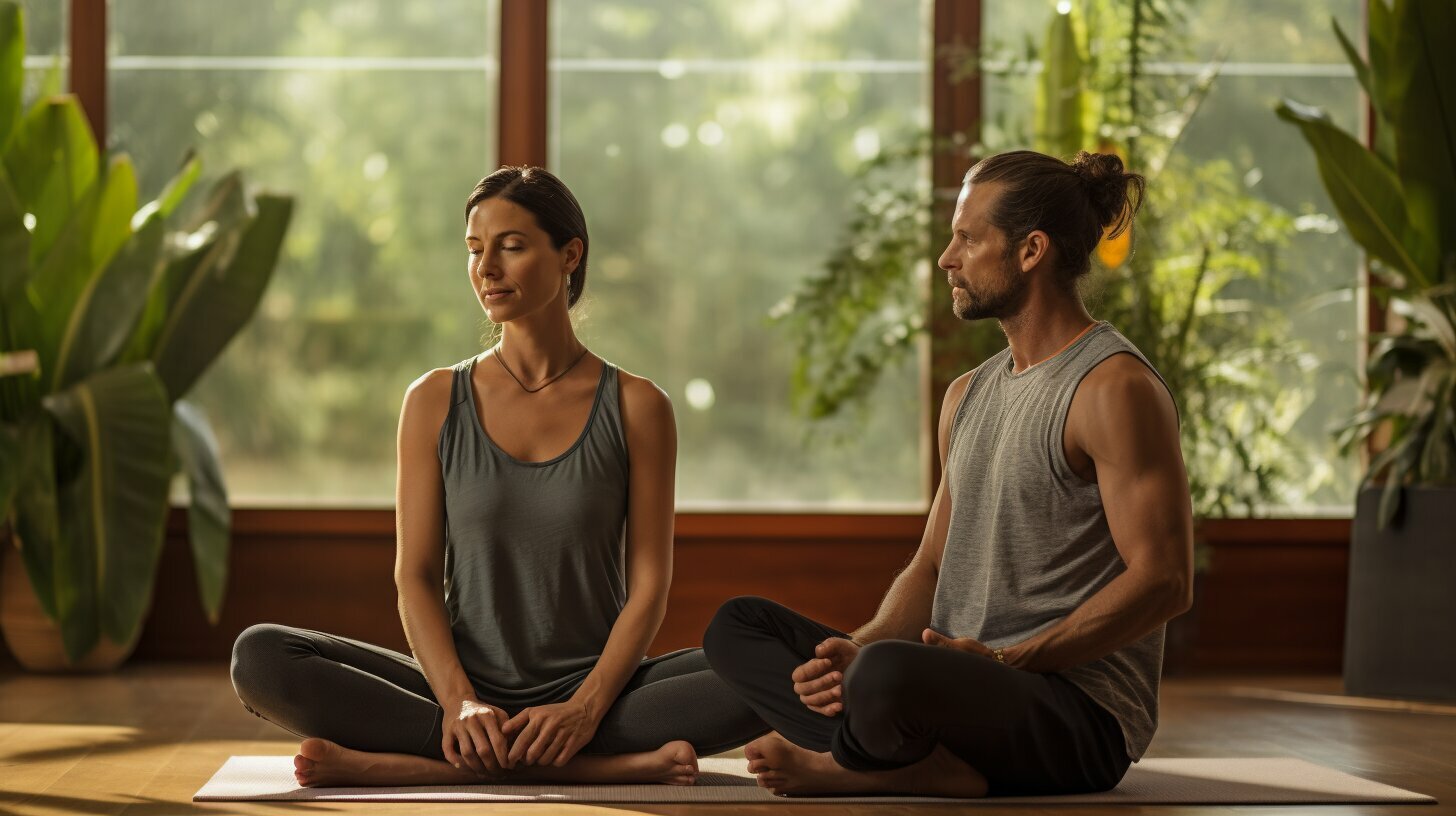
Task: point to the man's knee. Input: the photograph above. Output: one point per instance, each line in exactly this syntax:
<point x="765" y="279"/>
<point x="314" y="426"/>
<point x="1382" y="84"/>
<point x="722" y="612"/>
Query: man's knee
<point x="733" y="618"/>
<point x="883" y="677"/>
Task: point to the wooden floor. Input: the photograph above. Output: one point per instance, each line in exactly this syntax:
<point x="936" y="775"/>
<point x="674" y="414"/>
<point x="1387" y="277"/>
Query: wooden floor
<point x="142" y="741"/>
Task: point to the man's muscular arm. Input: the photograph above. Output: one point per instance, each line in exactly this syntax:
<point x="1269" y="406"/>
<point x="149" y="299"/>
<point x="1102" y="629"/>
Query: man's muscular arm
<point x="905" y="610"/>
<point x="1123" y="419"/>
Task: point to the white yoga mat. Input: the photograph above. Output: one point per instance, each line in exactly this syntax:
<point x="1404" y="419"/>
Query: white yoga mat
<point x="1230" y="781"/>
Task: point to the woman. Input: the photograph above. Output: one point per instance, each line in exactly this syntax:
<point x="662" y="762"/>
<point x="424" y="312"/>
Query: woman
<point x="534" y="506"/>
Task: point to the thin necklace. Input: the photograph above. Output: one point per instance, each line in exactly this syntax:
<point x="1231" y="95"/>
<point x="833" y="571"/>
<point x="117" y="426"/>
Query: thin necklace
<point x="501" y="360"/>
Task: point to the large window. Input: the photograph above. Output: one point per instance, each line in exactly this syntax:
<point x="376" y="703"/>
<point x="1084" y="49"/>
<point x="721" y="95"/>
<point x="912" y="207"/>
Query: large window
<point x="1266" y="51"/>
<point x="379" y="117"/>
<point x="712" y="145"/>
<point x="45" y="43"/>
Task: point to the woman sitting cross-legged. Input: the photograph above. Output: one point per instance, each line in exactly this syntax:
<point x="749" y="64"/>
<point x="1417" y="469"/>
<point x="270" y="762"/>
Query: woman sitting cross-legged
<point x="535" y="513"/>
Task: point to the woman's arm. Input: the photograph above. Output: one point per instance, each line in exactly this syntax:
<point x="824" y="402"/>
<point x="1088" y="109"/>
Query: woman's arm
<point x="472" y="729"/>
<point x="552" y="734"/>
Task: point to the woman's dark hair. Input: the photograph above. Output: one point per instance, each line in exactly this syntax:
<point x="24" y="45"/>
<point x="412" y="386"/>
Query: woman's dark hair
<point x="1071" y="203"/>
<point x="546" y="197"/>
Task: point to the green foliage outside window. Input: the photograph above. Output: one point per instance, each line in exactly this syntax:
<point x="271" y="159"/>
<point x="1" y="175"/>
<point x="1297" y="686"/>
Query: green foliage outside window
<point x="1196" y="294"/>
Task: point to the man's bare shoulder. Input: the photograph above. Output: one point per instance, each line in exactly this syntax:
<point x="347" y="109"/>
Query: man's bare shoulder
<point x="1120" y="396"/>
<point x="952" y="401"/>
<point x="1123" y="381"/>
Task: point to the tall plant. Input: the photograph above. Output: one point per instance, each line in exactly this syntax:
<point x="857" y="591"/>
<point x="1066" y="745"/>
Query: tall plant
<point x="117" y="317"/>
<point x="1398" y="200"/>
<point x="1189" y="296"/>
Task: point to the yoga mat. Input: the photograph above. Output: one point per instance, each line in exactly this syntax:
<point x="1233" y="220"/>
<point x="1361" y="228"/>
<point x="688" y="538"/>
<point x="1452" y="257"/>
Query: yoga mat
<point x="1231" y="781"/>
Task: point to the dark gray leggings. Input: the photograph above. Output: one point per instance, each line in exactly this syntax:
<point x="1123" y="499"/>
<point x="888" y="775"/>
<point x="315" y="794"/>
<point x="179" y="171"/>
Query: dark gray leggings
<point x="369" y="698"/>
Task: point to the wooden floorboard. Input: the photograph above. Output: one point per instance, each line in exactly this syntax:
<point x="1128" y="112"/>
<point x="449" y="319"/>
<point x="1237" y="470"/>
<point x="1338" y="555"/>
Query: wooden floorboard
<point x="143" y="740"/>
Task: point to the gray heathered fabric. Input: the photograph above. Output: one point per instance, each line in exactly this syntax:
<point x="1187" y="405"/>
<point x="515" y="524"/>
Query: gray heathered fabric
<point x="535" y="551"/>
<point x="1028" y="540"/>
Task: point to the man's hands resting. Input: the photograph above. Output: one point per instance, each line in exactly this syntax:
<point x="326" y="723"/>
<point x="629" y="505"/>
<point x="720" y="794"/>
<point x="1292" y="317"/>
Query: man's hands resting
<point x="930" y="637"/>
<point x="819" y="682"/>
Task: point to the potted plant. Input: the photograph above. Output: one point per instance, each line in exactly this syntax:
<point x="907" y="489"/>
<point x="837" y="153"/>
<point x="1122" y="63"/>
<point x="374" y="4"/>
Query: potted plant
<point x="1397" y="198"/>
<point x="107" y="319"/>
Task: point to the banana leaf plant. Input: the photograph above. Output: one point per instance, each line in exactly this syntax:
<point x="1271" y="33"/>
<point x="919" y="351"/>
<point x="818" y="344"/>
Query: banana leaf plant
<point x="108" y="316"/>
<point x="1397" y="198"/>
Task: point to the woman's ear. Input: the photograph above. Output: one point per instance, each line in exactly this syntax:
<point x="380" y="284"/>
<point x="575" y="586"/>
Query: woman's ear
<point x="571" y="256"/>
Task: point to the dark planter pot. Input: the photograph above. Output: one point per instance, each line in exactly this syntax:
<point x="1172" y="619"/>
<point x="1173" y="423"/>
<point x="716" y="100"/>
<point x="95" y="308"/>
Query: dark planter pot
<point x="1402" y="602"/>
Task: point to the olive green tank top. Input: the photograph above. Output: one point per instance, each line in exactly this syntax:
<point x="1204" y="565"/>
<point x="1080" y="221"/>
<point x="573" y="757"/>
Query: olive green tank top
<point x="535" y="561"/>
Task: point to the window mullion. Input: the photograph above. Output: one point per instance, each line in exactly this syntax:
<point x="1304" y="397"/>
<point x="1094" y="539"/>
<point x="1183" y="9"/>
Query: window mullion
<point x="521" y="115"/>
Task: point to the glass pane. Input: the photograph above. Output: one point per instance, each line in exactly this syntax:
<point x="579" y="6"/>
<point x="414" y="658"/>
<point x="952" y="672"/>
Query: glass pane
<point x="45" y="41"/>
<point x="1270" y="50"/>
<point x="712" y="145"/>
<point x="378" y="116"/>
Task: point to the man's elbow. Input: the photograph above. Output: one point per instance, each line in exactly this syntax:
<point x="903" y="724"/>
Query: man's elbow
<point x="1179" y="592"/>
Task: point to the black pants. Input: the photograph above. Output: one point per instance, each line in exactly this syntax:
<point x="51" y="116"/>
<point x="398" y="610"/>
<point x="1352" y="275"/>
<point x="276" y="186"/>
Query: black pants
<point x="1027" y="733"/>
<point x="373" y="699"/>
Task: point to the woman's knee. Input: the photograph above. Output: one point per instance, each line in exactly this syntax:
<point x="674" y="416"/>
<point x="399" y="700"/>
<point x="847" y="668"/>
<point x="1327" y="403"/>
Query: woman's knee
<point x="257" y="662"/>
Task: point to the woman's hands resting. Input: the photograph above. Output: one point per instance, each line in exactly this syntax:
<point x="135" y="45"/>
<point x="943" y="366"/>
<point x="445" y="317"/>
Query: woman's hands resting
<point x="473" y="737"/>
<point x="550" y="734"/>
<point x="479" y="737"/>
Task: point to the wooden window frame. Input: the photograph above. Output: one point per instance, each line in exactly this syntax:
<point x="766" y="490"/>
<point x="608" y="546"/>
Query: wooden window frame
<point x="523" y="102"/>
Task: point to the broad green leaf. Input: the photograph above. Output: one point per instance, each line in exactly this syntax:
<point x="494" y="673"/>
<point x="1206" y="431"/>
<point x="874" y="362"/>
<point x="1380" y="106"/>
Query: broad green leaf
<point x="1366" y="193"/>
<point x="114" y="511"/>
<point x="66" y="277"/>
<point x="10" y="474"/>
<point x="52" y="162"/>
<point x="1384" y="135"/>
<point x="14" y="242"/>
<point x="12" y="67"/>
<point x="37" y="522"/>
<point x="105" y="320"/>
<point x="219" y="296"/>
<point x="176" y="190"/>
<point x="1423" y="65"/>
<point x="209" y="519"/>
<point x="98" y="318"/>
<point x="220" y="219"/>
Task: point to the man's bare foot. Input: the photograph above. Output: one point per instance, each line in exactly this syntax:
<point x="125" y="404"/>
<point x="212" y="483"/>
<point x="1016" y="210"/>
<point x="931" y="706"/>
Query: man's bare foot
<point x="321" y="763"/>
<point x="788" y="770"/>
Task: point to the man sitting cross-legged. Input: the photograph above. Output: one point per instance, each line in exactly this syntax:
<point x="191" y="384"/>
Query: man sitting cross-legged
<point x="1020" y="650"/>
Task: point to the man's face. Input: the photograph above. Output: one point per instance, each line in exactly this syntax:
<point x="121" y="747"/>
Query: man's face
<point x="981" y="266"/>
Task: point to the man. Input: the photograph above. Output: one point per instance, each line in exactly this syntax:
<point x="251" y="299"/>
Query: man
<point x="1020" y="650"/>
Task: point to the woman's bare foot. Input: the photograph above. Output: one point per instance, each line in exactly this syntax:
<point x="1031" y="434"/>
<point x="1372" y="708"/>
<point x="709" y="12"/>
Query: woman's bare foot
<point x="673" y="764"/>
<point x="787" y="769"/>
<point x="321" y="763"/>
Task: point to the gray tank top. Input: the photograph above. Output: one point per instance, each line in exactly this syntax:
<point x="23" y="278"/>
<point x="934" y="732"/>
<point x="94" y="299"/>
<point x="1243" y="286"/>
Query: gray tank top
<point x="534" y="551"/>
<point x="1028" y="540"/>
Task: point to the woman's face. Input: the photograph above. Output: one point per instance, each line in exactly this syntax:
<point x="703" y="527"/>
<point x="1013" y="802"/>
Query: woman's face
<point x="513" y="267"/>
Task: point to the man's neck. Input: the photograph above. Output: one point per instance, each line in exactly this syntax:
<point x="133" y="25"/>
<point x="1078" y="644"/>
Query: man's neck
<point x="1042" y="329"/>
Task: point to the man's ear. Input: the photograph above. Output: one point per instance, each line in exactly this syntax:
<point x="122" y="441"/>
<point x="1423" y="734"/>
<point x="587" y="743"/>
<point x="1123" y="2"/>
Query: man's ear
<point x="1035" y="248"/>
